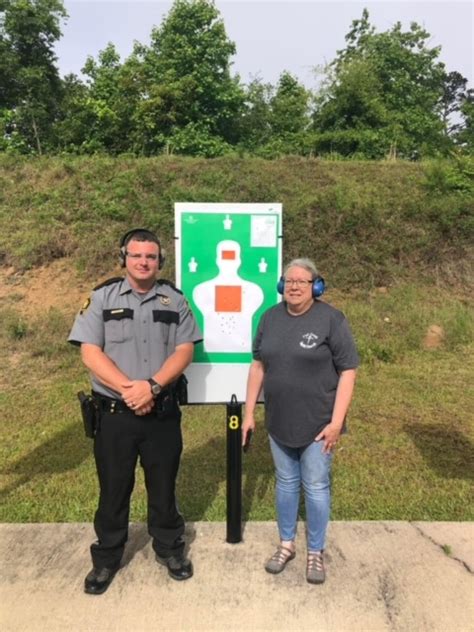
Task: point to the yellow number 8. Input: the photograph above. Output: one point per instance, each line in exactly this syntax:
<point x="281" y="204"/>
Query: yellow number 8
<point x="234" y="422"/>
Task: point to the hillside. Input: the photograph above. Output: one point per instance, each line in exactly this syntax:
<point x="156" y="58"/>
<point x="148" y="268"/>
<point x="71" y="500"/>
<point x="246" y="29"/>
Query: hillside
<point x="365" y="223"/>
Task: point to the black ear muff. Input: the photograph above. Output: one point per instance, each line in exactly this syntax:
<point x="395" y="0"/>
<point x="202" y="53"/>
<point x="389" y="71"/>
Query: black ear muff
<point x="317" y="288"/>
<point x="122" y="255"/>
<point x="127" y="237"/>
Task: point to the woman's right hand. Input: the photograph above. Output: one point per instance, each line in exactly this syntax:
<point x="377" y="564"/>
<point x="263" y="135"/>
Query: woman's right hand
<point x="248" y="424"/>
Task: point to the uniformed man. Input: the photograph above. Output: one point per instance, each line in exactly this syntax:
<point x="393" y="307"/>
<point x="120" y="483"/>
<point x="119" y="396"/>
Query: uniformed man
<point x="137" y="336"/>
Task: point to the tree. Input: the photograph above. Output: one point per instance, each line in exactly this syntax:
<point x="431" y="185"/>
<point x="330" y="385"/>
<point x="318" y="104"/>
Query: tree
<point x="454" y="92"/>
<point x="30" y="86"/>
<point x="289" y="107"/>
<point x="100" y="115"/>
<point x="254" y="125"/>
<point x="465" y="131"/>
<point x="191" y="102"/>
<point x="111" y="101"/>
<point x="276" y="118"/>
<point x="386" y="89"/>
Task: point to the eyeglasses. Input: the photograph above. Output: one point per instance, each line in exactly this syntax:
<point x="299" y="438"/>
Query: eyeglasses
<point x="298" y="282"/>
<point x="137" y="255"/>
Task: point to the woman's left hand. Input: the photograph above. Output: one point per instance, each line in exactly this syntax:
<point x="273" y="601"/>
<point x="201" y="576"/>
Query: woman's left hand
<point x="330" y="435"/>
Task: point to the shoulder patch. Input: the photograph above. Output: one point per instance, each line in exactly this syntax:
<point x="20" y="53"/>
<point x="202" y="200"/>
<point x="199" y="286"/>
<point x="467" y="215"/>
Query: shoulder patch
<point x="85" y="305"/>
<point x="170" y="283"/>
<point x="108" y="282"/>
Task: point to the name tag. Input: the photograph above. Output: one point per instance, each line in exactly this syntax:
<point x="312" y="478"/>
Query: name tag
<point x="117" y="314"/>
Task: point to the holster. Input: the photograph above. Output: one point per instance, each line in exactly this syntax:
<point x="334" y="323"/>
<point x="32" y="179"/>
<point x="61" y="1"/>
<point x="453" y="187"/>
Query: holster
<point x="181" y="389"/>
<point x="90" y="414"/>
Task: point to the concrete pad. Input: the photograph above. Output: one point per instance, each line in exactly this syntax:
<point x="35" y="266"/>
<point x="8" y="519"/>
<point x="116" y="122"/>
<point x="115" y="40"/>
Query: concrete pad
<point x="392" y="576"/>
<point x="456" y="539"/>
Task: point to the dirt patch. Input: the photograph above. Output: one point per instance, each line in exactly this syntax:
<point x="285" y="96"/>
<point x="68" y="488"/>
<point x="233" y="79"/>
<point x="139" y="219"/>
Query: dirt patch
<point x="434" y="337"/>
<point x="56" y="285"/>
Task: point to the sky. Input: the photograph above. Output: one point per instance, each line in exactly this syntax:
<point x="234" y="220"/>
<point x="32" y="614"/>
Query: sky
<point x="270" y="36"/>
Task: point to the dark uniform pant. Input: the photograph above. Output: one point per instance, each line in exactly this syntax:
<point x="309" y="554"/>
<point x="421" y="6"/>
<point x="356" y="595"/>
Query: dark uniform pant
<point x="157" y="440"/>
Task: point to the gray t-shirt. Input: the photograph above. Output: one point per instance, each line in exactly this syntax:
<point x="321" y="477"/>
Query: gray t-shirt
<point x="302" y="358"/>
<point x="138" y="332"/>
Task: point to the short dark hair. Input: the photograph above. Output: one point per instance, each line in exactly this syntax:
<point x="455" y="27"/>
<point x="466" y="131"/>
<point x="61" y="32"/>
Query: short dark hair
<point x="140" y="234"/>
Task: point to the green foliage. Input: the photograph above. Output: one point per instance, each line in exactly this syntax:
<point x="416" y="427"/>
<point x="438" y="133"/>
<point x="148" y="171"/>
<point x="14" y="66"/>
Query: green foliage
<point x="385" y="95"/>
<point x="255" y="130"/>
<point x="191" y="101"/>
<point x="385" y="89"/>
<point x="31" y="87"/>
<point x="454" y="176"/>
<point x="289" y="107"/>
<point x="465" y="131"/>
<point x="197" y="140"/>
<point x="455" y="93"/>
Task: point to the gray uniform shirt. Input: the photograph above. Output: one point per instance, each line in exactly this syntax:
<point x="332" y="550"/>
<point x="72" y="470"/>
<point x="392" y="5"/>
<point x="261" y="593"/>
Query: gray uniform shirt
<point x="138" y="332"/>
<point x="302" y="357"/>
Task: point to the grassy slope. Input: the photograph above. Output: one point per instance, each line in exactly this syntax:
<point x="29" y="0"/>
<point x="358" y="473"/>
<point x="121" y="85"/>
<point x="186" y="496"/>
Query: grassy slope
<point x="365" y="223"/>
<point x="409" y="453"/>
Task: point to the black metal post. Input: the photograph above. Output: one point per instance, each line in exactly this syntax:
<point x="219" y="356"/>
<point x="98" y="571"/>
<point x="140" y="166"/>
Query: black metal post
<point x="234" y="471"/>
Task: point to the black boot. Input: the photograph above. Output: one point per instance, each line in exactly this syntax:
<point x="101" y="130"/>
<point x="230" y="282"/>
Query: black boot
<point x="98" y="580"/>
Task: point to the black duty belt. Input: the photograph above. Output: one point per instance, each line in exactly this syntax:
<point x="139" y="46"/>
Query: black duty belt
<point x="111" y="405"/>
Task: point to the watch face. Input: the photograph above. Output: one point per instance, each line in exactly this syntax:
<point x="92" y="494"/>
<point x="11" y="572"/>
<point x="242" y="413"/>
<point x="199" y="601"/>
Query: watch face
<point x="155" y="387"/>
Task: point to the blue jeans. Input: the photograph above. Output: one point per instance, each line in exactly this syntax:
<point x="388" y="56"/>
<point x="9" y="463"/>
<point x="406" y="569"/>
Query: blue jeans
<point x="310" y="467"/>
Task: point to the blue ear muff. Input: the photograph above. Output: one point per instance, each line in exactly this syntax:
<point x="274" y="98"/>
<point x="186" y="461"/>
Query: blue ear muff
<point x="317" y="288"/>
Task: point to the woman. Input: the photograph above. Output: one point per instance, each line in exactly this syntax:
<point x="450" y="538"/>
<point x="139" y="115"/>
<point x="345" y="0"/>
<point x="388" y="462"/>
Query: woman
<point x="305" y="358"/>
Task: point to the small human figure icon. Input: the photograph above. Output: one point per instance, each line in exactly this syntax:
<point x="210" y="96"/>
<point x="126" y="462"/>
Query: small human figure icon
<point x="228" y="303"/>
<point x="263" y="265"/>
<point x="192" y="265"/>
<point x="227" y="222"/>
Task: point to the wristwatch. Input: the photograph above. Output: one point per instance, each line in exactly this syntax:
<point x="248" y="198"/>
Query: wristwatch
<point x="155" y="387"/>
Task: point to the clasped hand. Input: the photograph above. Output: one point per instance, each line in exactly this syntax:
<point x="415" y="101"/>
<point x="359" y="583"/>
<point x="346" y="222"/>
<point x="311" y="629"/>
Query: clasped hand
<point x="137" y="395"/>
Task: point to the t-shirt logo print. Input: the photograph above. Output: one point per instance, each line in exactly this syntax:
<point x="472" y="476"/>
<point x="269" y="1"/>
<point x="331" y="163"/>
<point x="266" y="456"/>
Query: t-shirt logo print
<point x="309" y="341"/>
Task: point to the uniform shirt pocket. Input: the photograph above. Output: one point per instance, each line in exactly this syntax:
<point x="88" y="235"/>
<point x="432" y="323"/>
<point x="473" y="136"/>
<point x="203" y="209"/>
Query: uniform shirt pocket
<point x="118" y="324"/>
<point x="165" y="319"/>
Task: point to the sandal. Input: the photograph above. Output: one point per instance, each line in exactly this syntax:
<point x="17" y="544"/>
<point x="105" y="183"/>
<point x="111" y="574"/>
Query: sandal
<point x="279" y="559"/>
<point x="315" y="573"/>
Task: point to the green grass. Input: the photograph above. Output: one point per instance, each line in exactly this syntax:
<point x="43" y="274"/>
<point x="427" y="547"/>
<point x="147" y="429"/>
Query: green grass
<point x="366" y="223"/>
<point x="406" y="226"/>
<point x="408" y="455"/>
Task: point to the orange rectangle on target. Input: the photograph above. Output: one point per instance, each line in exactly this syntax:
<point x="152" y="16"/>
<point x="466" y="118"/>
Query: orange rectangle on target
<point x="228" y="298"/>
<point x="228" y="254"/>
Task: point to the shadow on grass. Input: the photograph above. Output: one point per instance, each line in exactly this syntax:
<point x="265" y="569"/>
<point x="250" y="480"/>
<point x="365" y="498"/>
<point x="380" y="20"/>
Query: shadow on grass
<point x="65" y="451"/>
<point x="448" y="452"/>
<point x="257" y="465"/>
<point x="203" y="475"/>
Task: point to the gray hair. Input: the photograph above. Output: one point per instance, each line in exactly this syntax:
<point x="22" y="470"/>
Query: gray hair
<point x="304" y="263"/>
